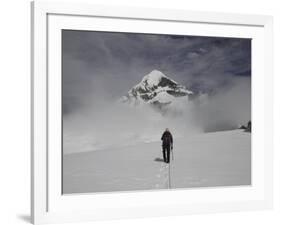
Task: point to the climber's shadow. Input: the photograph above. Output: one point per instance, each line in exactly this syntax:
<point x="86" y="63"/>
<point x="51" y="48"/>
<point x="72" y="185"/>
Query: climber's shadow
<point x="158" y="160"/>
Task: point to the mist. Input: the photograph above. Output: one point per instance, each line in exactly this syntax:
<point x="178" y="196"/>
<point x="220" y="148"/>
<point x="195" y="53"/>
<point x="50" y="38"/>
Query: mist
<point x="227" y="109"/>
<point x="106" y="123"/>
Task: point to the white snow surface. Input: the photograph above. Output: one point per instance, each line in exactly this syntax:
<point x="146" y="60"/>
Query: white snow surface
<point x="153" y="78"/>
<point x="201" y="160"/>
<point x="163" y="97"/>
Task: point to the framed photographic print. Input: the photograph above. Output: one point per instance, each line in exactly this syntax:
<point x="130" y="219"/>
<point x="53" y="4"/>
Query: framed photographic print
<point x="149" y="112"/>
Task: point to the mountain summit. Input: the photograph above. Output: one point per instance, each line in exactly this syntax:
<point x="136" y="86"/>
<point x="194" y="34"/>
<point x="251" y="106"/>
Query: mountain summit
<point x="158" y="90"/>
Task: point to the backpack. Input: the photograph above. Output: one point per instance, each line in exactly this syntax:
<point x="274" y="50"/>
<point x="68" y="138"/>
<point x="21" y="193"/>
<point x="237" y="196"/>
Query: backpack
<point x="166" y="139"/>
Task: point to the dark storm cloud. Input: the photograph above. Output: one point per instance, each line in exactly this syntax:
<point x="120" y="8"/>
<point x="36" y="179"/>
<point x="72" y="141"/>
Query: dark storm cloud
<point x="108" y="64"/>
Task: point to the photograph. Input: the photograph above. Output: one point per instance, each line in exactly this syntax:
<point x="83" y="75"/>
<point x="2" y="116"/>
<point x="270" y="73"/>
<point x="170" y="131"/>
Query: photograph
<point x="151" y="112"/>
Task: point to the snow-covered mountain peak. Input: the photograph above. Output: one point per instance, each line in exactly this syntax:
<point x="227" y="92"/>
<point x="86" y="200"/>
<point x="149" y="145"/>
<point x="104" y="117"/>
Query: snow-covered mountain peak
<point x="158" y="90"/>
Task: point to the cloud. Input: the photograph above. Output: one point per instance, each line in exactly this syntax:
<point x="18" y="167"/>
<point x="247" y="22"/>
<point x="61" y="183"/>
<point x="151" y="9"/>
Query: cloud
<point x="108" y="64"/>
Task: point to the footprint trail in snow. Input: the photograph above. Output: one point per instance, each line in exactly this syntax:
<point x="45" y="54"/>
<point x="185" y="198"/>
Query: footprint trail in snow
<point x="164" y="176"/>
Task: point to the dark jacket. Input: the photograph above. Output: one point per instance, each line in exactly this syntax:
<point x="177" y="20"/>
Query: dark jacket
<point x="167" y="139"/>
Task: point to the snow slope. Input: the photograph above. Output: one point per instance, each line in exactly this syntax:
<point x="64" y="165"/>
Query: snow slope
<point x="203" y="160"/>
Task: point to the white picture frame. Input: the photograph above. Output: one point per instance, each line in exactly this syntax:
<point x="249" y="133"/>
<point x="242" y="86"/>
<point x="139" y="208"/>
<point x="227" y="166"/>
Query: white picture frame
<point x="48" y="205"/>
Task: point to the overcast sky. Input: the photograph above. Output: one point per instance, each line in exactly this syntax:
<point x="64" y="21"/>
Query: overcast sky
<point x="106" y="65"/>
